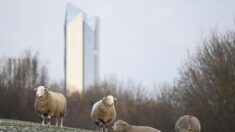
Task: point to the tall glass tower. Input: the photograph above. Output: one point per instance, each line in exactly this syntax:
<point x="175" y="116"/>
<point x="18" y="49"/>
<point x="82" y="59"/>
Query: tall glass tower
<point x="81" y="50"/>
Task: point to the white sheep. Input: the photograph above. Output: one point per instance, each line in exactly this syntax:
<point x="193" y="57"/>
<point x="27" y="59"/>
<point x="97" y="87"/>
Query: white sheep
<point x="188" y="123"/>
<point x="49" y="105"/>
<point x="103" y="112"/>
<point x="122" y="126"/>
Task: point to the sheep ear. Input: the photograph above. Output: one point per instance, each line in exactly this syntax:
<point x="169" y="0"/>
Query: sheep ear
<point x="115" y="99"/>
<point x="46" y="90"/>
<point x="124" y="124"/>
<point x="35" y="89"/>
<point x="104" y="98"/>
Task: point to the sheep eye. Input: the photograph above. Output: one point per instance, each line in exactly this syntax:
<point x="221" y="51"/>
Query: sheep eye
<point x="119" y="124"/>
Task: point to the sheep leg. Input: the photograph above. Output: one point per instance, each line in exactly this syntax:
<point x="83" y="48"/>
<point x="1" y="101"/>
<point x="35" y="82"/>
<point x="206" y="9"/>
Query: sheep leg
<point x="61" y="122"/>
<point x="57" y="121"/>
<point x="106" y="129"/>
<point x="101" y="127"/>
<point x="49" y="119"/>
<point x="43" y="124"/>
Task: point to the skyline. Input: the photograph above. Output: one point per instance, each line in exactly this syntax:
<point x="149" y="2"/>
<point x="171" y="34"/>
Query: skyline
<point x="145" y="41"/>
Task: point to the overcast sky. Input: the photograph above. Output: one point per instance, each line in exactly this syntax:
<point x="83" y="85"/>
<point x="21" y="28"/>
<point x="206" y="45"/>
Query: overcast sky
<point x="141" y="40"/>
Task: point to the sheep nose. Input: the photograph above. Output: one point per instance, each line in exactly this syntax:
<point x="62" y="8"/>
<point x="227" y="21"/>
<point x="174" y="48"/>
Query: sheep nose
<point x="37" y="94"/>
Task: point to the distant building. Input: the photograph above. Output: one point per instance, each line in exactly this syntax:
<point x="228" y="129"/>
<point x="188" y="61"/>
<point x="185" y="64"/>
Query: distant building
<point x="81" y="50"/>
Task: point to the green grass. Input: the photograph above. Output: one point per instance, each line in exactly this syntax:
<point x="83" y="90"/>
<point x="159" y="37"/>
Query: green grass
<point x="7" y="125"/>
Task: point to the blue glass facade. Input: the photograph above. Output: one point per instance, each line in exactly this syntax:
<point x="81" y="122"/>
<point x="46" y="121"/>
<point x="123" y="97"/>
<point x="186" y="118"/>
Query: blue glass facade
<point x="91" y="51"/>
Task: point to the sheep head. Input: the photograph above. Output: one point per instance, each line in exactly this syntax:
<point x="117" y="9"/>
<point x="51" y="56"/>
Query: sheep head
<point x="41" y="91"/>
<point x="120" y="126"/>
<point x="109" y="100"/>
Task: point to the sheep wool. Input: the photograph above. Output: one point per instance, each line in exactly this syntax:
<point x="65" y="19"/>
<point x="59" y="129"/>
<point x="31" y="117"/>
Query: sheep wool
<point x="188" y="123"/>
<point x="50" y="104"/>
<point x="122" y="126"/>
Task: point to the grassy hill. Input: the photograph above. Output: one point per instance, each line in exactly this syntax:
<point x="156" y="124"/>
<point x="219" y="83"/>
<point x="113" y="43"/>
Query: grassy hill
<point x="23" y="126"/>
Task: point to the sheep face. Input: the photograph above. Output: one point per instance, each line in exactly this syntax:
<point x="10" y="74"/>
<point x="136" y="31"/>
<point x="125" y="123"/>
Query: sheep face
<point x="109" y="100"/>
<point x="41" y="91"/>
<point x="188" y="123"/>
<point x="120" y="126"/>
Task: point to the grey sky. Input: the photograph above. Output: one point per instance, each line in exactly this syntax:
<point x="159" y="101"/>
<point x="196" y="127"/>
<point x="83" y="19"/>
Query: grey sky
<point x="142" y="40"/>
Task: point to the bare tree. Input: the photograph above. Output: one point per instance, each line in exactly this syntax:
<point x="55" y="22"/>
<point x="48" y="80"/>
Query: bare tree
<point x="207" y="83"/>
<point x="18" y="77"/>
